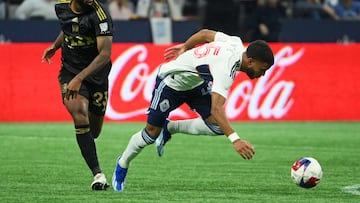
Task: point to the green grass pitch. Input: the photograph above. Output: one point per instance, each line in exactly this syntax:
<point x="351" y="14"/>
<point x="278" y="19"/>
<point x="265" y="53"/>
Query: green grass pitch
<point x="40" y="162"/>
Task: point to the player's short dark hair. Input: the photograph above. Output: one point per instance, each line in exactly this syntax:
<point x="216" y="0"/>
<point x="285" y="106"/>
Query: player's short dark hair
<point x="261" y="51"/>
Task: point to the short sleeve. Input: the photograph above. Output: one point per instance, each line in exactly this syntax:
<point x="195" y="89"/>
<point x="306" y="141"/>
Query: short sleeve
<point x="221" y="73"/>
<point x="222" y="37"/>
<point x="103" y="22"/>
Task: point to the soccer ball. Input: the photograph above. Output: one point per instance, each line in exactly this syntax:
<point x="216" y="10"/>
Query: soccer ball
<point x="306" y="172"/>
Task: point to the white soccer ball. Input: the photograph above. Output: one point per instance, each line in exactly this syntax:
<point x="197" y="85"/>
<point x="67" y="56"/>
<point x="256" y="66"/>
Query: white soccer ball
<point x="306" y="172"/>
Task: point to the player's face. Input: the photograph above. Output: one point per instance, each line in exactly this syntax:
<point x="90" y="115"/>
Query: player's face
<point x="255" y="69"/>
<point x="85" y="4"/>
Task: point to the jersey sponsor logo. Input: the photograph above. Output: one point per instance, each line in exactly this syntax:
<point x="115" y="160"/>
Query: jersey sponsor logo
<point x="78" y="41"/>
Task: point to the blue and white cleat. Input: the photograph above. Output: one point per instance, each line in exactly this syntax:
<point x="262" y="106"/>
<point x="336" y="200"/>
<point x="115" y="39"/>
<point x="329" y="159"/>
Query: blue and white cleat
<point x="162" y="139"/>
<point x="118" y="179"/>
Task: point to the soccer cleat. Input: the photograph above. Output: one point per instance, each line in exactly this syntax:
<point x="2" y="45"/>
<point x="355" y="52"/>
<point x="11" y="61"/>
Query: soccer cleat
<point x="118" y="179"/>
<point x="100" y="182"/>
<point x="162" y="139"/>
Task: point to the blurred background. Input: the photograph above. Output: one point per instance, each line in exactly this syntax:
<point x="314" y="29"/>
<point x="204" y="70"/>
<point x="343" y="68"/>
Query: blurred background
<point x="271" y="20"/>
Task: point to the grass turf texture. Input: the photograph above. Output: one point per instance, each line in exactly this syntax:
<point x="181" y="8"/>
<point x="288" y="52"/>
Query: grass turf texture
<point x="42" y="163"/>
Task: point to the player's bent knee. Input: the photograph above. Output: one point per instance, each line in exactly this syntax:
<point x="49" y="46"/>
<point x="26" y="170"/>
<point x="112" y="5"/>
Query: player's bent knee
<point x="214" y="127"/>
<point x="152" y="130"/>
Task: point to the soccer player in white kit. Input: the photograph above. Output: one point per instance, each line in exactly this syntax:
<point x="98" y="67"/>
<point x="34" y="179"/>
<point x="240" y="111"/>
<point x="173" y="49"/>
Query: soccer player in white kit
<point x="199" y="76"/>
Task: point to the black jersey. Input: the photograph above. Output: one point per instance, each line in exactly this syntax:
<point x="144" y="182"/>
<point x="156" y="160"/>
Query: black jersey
<point x="79" y="46"/>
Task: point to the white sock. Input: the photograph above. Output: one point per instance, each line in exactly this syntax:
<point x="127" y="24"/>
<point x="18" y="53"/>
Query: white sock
<point x="136" y="144"/>
<point x="195" y="126"/>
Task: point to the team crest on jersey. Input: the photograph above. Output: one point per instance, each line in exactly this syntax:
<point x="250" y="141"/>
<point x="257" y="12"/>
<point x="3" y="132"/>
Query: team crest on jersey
<point x="103" y="27"/>
<point x="164" y="105"/>
<point x="75" y="27"/>
<point x="75" y="20"/>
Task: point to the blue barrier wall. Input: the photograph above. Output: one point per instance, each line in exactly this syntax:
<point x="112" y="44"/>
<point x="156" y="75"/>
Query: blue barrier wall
<point x="139" y="31"/>
<point x="125" y="31"/>
<point x="320" y="31"/>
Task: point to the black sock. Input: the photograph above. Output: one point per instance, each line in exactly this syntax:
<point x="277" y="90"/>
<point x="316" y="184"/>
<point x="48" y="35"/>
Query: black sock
<point x="87" y="146"/>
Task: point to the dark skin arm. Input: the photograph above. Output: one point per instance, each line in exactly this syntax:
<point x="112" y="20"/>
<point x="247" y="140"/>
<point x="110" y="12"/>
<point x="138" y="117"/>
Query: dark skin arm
<point x="200" y="37"/>
<point x="50" y="51"/>
<point x="104" y="44"/>
<point x="218" y="115"/>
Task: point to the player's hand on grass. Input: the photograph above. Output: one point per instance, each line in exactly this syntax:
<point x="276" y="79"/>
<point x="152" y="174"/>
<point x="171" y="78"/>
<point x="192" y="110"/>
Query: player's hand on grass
<point x="48" y="53"/>
<point x="244" y="148"/>
<point x="174" y="51"/>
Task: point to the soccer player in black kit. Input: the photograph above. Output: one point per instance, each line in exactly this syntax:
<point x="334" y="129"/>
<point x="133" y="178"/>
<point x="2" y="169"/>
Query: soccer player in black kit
<point x="85" y="40"/>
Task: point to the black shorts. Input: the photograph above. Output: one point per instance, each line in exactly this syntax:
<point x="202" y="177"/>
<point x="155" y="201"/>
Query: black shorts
<point x="97" y="94"/>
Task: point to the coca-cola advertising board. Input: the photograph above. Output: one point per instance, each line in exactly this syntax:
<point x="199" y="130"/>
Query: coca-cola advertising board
<point x="308" y="82"/>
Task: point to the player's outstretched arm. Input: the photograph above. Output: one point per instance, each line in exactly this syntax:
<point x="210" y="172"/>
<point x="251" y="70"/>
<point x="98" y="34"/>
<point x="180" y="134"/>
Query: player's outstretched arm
<point x="200" y="37"/>
<point x="243" y="147"/>
<point x="50" y="51"/>
<point x="174" y="51"/>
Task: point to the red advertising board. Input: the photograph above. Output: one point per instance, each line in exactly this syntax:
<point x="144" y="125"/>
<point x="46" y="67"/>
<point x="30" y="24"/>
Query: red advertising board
<point x="309" y="81"/>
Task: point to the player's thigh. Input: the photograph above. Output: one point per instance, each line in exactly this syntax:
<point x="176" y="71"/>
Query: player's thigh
<point x="78" y="109"/>
<point x="163" y="101"/>
<point x="199" y="99"/>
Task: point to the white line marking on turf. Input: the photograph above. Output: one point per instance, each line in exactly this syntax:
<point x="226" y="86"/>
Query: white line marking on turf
<point x="352" y="189"/>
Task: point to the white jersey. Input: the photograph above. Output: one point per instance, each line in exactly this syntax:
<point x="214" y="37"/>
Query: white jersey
<point x="216" y="61"/>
